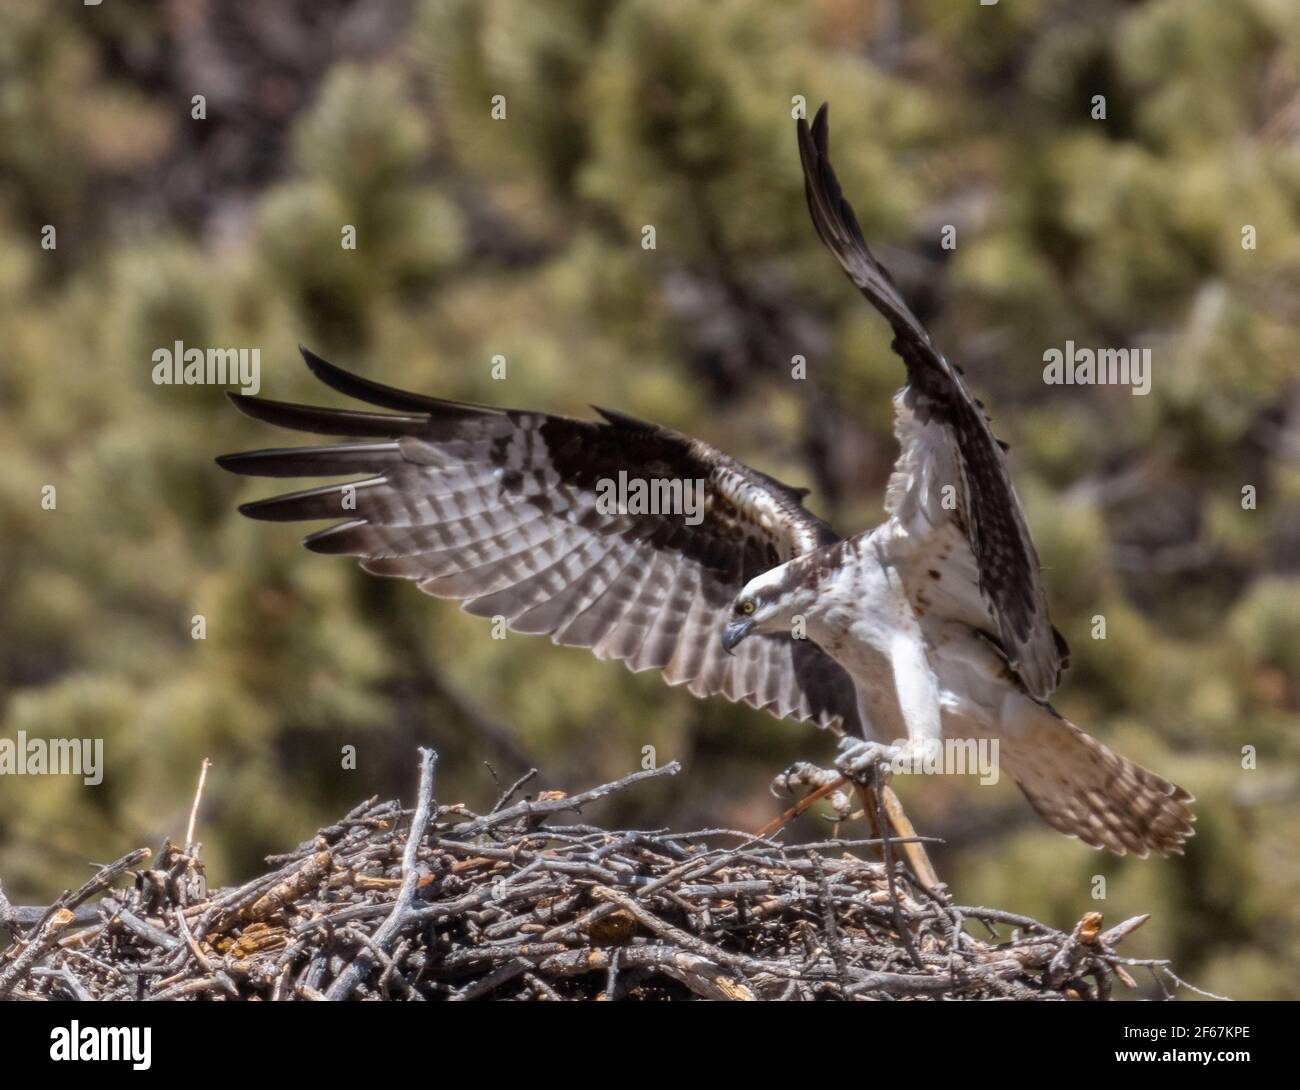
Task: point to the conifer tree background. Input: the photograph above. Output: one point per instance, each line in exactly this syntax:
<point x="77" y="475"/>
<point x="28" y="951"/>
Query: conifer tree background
<point x="522" y="238"/>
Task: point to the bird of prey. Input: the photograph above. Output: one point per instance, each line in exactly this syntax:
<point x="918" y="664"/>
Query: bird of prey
<point x="932" y="625"/>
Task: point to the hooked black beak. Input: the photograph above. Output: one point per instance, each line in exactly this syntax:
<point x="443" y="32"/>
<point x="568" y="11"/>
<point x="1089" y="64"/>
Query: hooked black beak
<point x="735" y="632"/>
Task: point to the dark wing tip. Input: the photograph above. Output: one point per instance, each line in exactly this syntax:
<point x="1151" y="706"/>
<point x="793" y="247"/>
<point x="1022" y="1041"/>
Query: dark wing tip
<point x="820" y="120"/>
<point x="334" y="540"/>
<point x="387" y="397"/>
<point x="322" y="369"/>
<point x="613" y="416"/>
<point x="285" y="414"/>
<point x="814" y="148"/>
<point x="821" y="126"/>
<point x="243" y="402"/>
<point x="257" y="509"/>
<point x="332" y="375"/>
<point x="363" y="389"/>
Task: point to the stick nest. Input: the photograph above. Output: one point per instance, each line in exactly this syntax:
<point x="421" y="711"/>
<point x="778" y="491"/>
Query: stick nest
<point x="441" y="903"/>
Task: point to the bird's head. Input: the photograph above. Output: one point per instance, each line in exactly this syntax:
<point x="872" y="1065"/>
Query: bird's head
<point x="772" y="602"/>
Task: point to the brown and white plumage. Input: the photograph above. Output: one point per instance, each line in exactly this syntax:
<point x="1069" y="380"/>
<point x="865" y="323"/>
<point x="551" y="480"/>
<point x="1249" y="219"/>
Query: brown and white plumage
<point x="970" y="575"/>
<point x="932" y="625"/>
<point x="946" y="440"/>
<point x="498" y="508"/>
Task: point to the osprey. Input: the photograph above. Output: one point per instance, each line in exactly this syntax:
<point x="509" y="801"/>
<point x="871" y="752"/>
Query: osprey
<point x="933" y="625"/>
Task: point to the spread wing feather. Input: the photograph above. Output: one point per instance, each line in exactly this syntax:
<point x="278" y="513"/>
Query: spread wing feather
<point x="945" y="438"/>
<point x="499" y="509"/>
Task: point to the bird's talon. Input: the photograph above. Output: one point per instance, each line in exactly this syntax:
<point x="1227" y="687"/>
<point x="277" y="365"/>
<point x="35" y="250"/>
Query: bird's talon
<point x="864" y="760"/>
<point x="842" y="805"/>
<point x="802" y="774"/>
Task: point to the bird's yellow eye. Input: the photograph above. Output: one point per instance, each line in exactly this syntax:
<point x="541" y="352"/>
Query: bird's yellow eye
<point x="747" y="606"/>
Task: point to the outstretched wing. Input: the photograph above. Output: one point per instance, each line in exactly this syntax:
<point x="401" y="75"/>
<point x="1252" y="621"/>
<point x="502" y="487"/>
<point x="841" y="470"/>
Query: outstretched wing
<point x="944" y="435"/>
<point x="508" y="512"/>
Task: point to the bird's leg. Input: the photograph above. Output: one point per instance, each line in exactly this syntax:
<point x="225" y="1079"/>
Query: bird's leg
<point x="918" y="698"/>
<point x="918" y="703"/>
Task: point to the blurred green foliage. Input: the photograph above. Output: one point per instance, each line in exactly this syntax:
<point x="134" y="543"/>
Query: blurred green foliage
<point x="522" y="238"/>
